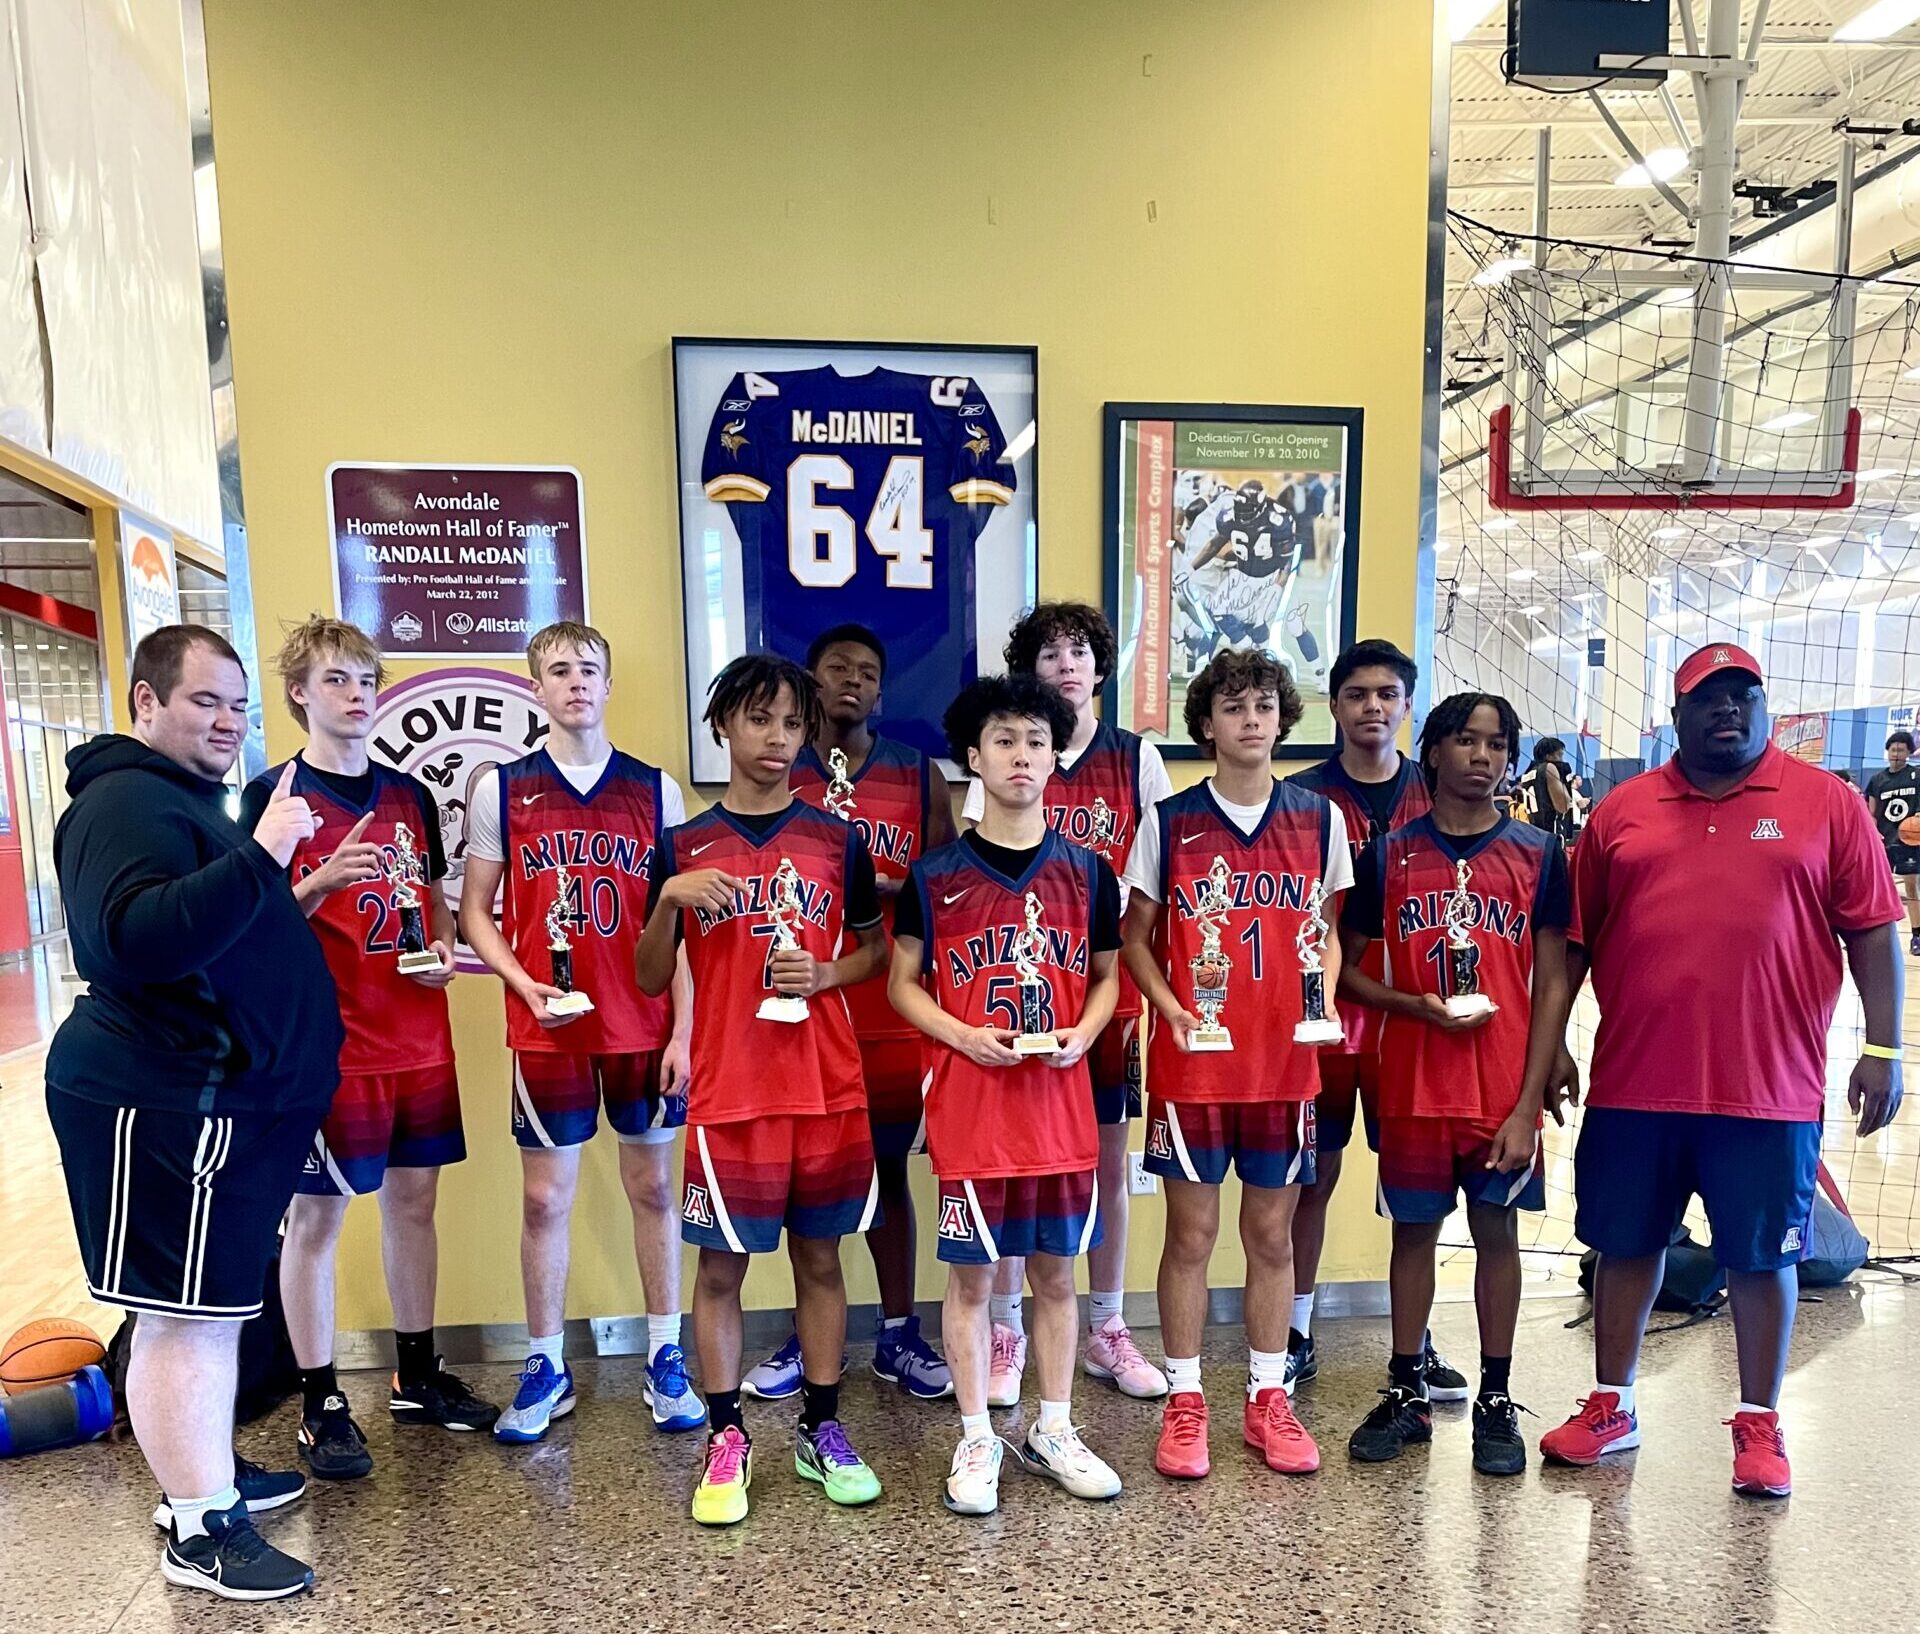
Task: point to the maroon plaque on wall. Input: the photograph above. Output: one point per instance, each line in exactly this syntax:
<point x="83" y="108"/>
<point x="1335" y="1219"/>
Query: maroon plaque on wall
<point x="456" y="561"/>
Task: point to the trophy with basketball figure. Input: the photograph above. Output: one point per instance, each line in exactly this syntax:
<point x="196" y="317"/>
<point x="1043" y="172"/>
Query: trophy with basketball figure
<point x="1464" y="998"/>
<point x="783" y="912"/>
<point x="568" y="1002"/>
<point x="1103" y="828"/>
<point x="1316" y="1025"/>
<point x="406" y="874"/>
<point x="1036" y="1036"/>
<point x="839" y="795"/>
<point x="1211" y="965"/>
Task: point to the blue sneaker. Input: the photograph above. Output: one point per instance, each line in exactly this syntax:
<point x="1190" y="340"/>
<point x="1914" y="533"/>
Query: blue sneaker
<point x="670" y="1394"/>
<point x="543" y="1396"/>
<point x="902" y="1357"/>
<point x="778" y="1376"/>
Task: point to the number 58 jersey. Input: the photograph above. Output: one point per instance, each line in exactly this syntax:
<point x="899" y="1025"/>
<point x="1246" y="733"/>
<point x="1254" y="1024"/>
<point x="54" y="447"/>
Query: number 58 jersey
<point x="858" y="499"/>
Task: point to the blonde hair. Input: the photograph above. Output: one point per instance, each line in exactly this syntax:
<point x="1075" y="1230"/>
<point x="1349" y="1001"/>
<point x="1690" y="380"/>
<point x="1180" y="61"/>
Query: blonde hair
<point x="567" y="633"/>
<point x="304" y="645"/>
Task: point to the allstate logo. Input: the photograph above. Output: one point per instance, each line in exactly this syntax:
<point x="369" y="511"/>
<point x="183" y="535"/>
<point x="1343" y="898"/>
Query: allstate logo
<point x="405" y="627"/>
<point x="460" y="624"/>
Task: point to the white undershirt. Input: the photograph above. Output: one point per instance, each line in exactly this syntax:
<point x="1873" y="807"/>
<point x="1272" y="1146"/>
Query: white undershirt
<point x="484" y="839"/>
<point x="1143" y="863"/>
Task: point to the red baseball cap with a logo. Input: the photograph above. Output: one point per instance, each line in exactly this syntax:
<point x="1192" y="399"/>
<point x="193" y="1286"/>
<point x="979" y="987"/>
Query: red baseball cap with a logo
<point x="1710" y="661"/>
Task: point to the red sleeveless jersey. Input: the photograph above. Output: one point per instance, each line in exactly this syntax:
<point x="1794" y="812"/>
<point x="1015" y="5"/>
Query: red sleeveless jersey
<point x="1331" y="781"/>
<point x="744" y="1067"/>
<point x="1518" y="885"/>
<point x="1108" y="772"/>
<point x="1271" y="873"/>
<point x="605" y="838"/>
<point x="889" y="809"/>
<point x="985" y="1123"/>
<point x="393" y="1024"/>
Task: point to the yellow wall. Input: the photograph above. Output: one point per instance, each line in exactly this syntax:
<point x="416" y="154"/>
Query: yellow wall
<point x="468" y="234"/>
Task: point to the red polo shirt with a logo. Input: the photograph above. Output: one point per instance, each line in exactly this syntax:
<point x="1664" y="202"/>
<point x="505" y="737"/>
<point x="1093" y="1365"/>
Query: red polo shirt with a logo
<point x="1712" y="929"/>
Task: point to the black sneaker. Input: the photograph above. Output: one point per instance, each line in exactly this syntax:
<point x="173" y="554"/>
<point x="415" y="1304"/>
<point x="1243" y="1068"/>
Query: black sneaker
<point x="1913" y="944"/>
<point x="332" y="1444"/>
<point x="1498" y="1448"/>
<point x="443" y="1400"/>
<point x="234" y="1561"/>
<point x="1303" y="1361"/>
<point x="260" y="1490"/>
<point x="1445" y="1382"/>
<point x="1401" y="1420"/>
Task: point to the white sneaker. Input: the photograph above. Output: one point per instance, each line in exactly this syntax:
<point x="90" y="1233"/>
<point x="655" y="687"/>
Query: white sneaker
<point x="1062" y="1456"/>
<point x="1007" y="1366"/>
<point x="973" y="1484"/>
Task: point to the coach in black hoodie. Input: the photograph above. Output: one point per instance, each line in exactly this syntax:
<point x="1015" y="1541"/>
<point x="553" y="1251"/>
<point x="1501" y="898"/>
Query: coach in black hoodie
<point x="187" y="1085"/>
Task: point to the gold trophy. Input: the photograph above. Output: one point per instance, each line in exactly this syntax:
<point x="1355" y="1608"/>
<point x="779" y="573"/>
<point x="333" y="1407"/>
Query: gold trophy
<point x="1210" y="965"/>
<point x="1464" y="998"/>
<point x="569" y="1003"/>
<point x="1103" y="828"/>
<point x="1315" y="1025"/>
<point x="783" y="913"/>
<point x="1029" y="947"/>
<point x="405" y="874"/>
<point x="839" y="799"/>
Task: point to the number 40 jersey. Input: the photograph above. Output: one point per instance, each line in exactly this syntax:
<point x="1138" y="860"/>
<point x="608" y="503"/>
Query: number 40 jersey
<point x="859" y="499"/>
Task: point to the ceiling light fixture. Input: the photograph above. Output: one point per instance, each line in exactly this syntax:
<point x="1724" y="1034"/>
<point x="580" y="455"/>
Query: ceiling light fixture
<point x="1662" y="165"/>
<point x="1880" y="19"/>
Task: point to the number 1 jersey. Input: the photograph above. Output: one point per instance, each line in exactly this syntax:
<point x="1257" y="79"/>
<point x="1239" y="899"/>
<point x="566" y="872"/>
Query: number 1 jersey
<point x="859" y="498"/>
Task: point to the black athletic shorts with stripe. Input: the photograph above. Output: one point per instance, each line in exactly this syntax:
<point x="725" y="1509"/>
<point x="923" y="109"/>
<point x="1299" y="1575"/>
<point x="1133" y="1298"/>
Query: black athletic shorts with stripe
<point x="178" y="1213"/>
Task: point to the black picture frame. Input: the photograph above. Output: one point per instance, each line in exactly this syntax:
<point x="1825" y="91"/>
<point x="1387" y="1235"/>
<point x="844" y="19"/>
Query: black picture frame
<point x="1122" y="590"/>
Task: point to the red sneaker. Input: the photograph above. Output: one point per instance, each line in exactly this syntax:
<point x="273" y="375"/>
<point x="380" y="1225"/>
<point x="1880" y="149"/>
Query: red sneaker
<point x="1182" y="1452"/>
<point x="1596" y="1430"/>
<point x="1760" y="1468"/>
<point x="1269" y="1424"/>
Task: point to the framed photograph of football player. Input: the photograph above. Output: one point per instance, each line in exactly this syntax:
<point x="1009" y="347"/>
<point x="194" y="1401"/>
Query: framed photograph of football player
<point x="840" y="482"/>
<point x="1228" y="525"/>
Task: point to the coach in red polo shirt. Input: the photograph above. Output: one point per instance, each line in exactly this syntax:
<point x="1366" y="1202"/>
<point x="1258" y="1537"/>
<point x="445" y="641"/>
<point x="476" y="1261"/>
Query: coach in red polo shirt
<point x="1712" y="898"/>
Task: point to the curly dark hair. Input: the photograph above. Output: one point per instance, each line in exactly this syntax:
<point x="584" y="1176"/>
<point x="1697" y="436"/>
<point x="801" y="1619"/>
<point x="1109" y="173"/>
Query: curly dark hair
<point x="756" y="678"/>
<point x="1023" y="696"/>
<point x="1227" y="675"/>
<point x="1902" y="736"/>
<point x="1450" y="715"/>
<point x="1057" y="620"/>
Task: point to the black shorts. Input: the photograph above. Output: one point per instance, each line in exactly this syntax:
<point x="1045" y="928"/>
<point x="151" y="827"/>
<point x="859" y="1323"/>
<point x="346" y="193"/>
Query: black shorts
<point x="1904" y="859"/>
<point x="175" y="1212"/>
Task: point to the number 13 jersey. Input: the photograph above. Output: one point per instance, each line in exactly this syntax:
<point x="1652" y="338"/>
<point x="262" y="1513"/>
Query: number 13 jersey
<point x="860" y="498"/>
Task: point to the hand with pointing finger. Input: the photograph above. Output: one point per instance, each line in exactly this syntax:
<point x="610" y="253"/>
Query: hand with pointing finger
<point x="356" y="862"/>
<point x="287" y="821"/>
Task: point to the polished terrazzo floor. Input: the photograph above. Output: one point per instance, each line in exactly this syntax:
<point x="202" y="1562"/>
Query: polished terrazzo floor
<point x="589" y="1531"/>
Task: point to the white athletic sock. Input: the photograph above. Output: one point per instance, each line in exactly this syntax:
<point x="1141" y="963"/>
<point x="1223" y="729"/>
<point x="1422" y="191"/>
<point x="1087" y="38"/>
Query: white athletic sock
<point x="976" y="1427"/>
<point x="1623" y="1391"/>
<point x="1183" y="1373"/>
<point x="1266" y="1370"/>
<point x="1101" y="1308"/>
<point x="661" y="1330"/>
<point x="1303" y="1314"/>
<point x="891" y="1324"/>
<point x="1752" y="1407"/>
<point x="1056" y="1417"/>
<point x="553" y="1347"/>
<point x="1009" y="1312"/>
<point x="190" y="1514"/>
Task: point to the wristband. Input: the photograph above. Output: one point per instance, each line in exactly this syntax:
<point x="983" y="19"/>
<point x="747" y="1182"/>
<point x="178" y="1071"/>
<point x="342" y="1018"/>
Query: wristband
<point x="1881" y="1052"/>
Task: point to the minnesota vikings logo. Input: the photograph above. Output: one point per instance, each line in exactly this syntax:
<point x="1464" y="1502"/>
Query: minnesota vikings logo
<point x="731" y="438"/>
<point x="977" y="444"/>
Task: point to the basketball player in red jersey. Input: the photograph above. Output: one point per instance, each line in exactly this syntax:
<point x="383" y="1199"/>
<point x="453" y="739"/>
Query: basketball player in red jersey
<point x="1011" y="1134"/>
<point x="1376" y="789"/>
<point x="395" y="1120"/>
<point x="1247" y="862"/>
<point x="763" y="891"/>
<point x="1105" y="781"/>
<point x="579" y="803"/>
<point x="899" y="803"/>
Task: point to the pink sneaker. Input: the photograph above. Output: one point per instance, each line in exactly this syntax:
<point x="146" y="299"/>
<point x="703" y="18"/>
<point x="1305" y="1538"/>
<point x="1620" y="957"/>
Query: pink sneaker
<point x="1112" y="1354"/>
<point x="1006" y="1367"/>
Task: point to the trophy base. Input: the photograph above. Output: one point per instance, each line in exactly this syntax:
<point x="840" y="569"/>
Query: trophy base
<point x="786" y="1008"/>
<point x="1468" y="1005"/>
<point x="412" y="964"/>
<point x="569" y="1004"/>
<point x="1324" y="1031"/>
<point x="1208" y="1040"/>
<point x="1036" y="1044"/>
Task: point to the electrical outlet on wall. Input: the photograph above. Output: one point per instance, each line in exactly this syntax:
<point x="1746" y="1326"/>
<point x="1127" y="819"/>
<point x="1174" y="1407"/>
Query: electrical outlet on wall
<point x="1139" y="1182"/>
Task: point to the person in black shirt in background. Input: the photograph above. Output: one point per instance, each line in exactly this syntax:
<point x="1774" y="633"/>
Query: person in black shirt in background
<point x="186" y="1086"/>
<point x="1893" y="795"/>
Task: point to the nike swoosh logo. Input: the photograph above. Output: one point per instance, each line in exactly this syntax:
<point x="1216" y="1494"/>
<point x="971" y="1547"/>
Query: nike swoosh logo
<point x="948" y="901"/>
<point x="1188" y="839"/>
<point x="695" y="850"/>
<point x="528" y="799"/>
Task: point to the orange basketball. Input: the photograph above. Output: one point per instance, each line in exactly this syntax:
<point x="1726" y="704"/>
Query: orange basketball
<point x="1910" y="830"/>
<point x="48" y="1352"/>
